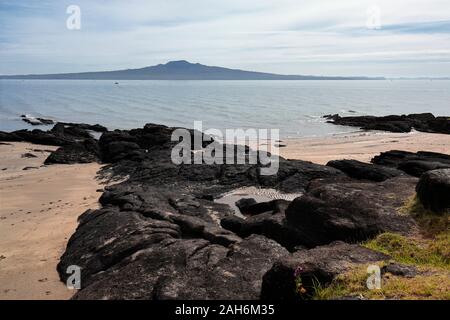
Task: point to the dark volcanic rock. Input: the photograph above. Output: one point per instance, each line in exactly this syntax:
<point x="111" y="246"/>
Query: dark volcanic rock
<point x="243" y="203"/>
<point x="433" y="190"/>
<point x="36" y="121"/>
<point x="273" y="226"/>
<point x="295" y="175"/>
<point x="261" y="207"/>
<point x="9" y="136"/>
<point x="352" y="211"/>
<point x="364" y="171"/>
<point x="422" y="122"/>
<point x="110" y="236"/>
<point x="74" y="132"/>
<point x="417" y="167"/>
<point x="92" y="127"/>
<point x="440" y="124"/>
<point x="29" y="168"/>
<point x="413" y="163"/>
<point x="133" y="144"/>
<point x="271" y="223"/>
<point x="320" y="264"/>
<point x="77" y="152"/>
<point x="60" y="135"/>
<point x="35" y="136"/>
<point x="403" y="270"/>
<point x="160" y="235"/>
<point x="187" y="269"/>
<point x="77" y="144"/>
<point x="119" y="150"/>
<point x="28" y="155"/>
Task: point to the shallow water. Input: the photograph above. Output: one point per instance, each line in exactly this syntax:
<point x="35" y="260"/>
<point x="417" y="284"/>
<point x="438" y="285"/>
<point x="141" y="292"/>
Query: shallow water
<point x="294" y="107"/>
<point x="259" y="194"/>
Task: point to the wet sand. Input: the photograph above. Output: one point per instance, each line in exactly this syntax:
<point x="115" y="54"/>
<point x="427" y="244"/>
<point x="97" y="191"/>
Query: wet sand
<point x="39" y="208"/>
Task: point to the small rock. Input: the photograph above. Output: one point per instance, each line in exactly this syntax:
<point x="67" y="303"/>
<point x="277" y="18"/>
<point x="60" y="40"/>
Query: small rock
<point x="244" y="203"/>
<point x="403" y="270"/>
<point x="28" y="155"/>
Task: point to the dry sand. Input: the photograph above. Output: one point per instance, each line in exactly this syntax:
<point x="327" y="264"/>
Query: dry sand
<point x="39" y="208"/>
<point x="362" y="146"/>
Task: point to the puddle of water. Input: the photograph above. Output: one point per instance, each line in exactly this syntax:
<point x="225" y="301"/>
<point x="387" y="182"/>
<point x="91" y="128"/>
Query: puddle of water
<point x="259" y="194"/>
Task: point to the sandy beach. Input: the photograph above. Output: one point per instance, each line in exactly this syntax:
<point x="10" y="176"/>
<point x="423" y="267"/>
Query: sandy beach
<point x="40" y="205"/>
<point x="38" y="213"/>
<point x="362" y="146"/>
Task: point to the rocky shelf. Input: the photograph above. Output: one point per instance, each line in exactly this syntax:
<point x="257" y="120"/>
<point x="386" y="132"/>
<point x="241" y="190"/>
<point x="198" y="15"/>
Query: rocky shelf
<point x="425" y="122"/>
<point x="160" y="234"/>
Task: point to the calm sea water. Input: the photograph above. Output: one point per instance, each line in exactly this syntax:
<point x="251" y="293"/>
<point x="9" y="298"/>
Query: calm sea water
<point x="295" y="107"/>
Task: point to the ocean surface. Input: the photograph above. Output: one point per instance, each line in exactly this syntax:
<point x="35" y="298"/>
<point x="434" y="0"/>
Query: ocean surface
<point x="294" y="107"/>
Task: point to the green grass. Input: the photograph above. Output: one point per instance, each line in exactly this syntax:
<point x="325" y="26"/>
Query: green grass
<point x="432" y="249"/>
<point x="430" y="253"/>
<point x="429" y="222"/>
<point x="431" y="284"/>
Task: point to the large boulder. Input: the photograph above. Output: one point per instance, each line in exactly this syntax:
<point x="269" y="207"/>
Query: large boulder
<point x="433" y="190"/>
<point x="315" y="266"/>
<point x="364" y="171"/>
<point x="352" y="212"/>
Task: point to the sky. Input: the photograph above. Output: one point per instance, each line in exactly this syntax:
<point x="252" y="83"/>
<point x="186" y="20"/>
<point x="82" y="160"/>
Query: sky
<point x="391" y="38"/>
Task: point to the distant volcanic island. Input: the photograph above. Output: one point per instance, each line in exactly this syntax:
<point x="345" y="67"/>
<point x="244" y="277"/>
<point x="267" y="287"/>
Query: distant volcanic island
<point x="179" y="70"/>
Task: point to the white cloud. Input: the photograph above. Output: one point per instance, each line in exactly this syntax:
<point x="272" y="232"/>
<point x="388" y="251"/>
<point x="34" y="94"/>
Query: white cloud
<point x="285" y="36"/>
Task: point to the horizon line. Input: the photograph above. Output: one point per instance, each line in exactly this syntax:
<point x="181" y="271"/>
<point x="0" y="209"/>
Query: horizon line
<point x="424" y="77"/>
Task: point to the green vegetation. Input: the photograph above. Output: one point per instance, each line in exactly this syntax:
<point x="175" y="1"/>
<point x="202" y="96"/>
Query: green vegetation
<point x="430" y="223"/>
<point x="430" y="284"/>
<point x="429" y="252"/>
<point x="432" y="249"/>
<point x="432" y="253"/>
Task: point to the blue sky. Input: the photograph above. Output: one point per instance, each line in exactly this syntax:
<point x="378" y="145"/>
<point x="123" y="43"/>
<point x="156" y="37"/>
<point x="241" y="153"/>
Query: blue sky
<point x="325" y="37"/>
